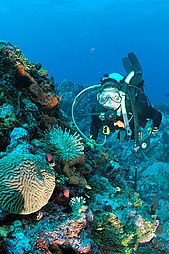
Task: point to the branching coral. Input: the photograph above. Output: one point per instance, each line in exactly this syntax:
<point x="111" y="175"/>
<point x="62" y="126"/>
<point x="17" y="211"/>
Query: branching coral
<point x="78" y="205"/>
<point x="63" y="144"/>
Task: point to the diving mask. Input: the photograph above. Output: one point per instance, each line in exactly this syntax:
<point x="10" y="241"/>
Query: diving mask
<point x="110" y="96"/>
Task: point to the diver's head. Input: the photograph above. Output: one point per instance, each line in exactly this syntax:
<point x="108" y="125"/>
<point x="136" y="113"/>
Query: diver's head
<point x="109" y="95"/>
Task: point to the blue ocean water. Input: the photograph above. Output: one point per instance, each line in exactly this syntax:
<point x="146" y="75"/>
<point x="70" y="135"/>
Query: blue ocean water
<point x="81" y="40"/>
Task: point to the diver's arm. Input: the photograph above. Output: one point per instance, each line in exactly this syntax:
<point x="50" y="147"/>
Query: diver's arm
<point x="95" y="125"/>
<point x="155" y="115"/>
<point x="94" y="130"/>
<point x="150" y="113"/>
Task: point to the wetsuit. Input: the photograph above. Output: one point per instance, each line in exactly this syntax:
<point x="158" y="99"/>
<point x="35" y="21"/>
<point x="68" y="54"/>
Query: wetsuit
<point x="144" y="112"/>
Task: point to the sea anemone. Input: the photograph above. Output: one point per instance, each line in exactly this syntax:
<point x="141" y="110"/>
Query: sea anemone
<point x="63" y="144"/>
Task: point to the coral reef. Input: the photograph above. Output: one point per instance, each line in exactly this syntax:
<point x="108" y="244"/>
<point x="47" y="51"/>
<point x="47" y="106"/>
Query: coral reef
<point x="27" y="97"/>
<point x="58" y="229"/>
<point x="114" y="214"/>
<point x="57" y="194"/>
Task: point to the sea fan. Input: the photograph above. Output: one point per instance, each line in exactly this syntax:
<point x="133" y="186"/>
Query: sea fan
<point x="63" y="144"/>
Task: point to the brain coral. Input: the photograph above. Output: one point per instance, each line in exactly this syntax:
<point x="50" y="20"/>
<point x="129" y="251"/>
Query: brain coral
<point x="26" y="183"/>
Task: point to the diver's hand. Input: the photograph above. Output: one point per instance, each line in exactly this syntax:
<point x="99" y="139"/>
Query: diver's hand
<point x="92" y="143"/>
<point x="153" y="130"/>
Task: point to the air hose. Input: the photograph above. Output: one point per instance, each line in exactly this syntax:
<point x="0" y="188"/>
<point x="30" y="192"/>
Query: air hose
<point x="87" y="89"/>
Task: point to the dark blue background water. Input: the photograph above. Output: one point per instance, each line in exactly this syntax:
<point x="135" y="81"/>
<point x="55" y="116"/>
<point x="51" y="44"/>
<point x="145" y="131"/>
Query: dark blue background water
<point x="61" y="34"/>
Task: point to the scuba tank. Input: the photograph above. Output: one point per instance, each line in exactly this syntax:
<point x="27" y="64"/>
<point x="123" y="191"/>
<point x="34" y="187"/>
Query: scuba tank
<point x="131" y="63"/>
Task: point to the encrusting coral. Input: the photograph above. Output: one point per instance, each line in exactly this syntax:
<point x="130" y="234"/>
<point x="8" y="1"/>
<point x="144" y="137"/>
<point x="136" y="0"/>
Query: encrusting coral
<point x="52" y="233"/>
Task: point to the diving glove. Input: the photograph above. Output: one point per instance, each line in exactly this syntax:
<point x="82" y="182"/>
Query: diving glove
<point x="153" y="130"/>
<point x="92" y="143"/>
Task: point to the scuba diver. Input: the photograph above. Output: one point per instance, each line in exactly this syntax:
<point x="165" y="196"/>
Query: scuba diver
<point x="107" y="113"/>
<point x="122" y="105"/>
